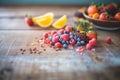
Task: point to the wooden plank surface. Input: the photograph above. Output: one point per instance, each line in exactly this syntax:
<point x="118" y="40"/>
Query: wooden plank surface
<point x="104" y="64"/>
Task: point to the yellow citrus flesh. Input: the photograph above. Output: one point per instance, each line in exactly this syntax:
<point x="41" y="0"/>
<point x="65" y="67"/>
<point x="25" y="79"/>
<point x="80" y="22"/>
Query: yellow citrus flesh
<point x="95" y="16"/>
<point x="44" y="20"/>
<point x="60" y="23"/>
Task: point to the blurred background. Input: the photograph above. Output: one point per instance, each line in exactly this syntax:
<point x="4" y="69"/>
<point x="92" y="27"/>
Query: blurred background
<point x="54" y="2"/>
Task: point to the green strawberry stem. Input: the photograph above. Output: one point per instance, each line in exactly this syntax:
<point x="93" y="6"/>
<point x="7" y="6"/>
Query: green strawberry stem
<point x="84" y="24"/>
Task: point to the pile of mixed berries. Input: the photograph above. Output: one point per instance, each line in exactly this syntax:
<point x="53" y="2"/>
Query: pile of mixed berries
<point x="104" y="11"/>
<point x="64" y="38"/>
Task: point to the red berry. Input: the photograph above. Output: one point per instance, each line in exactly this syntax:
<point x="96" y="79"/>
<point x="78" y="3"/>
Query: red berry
<point x="88" y="46"/>
<point x="68" y="28"/>
<point x="103" y="16"/>
<point x="65" y="37"/>
<point x="45" y="35"/>
<point x="58" y="45"/>
<point x="29" y="21"/>
<point x="47" y="41"/>
<point x="108" y="40"/>
<point x="54" y="35"/>
<point x="53" y="32"/>
<point x="55" y="39"/>
<point x="72" y="42"/>
<point x="61" y="31"/>
<point x="93" y="42"/>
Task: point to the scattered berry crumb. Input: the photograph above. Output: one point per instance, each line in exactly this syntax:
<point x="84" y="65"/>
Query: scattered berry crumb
<point x="80" y="50"/>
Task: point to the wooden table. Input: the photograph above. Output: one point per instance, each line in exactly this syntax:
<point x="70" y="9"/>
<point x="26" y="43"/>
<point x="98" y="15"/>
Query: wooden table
<point x="103" y="64"/>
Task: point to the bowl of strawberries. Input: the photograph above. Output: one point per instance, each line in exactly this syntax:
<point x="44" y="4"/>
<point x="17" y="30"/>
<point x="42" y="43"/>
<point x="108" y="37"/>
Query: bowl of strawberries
<point x="104" y="16"/>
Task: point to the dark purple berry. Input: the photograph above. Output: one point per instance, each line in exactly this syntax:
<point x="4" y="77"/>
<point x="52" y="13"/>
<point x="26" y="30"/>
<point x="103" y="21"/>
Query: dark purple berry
<point x="52" y="43"/>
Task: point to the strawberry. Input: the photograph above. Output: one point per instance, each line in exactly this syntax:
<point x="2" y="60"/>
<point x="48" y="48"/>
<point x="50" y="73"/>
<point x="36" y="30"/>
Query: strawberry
<point x="103" y="16"/>
<point x="108" y="40"/>
<point x="65" y="37"/>
<point x="68" y="28"/>
<point x="91" y="34"/>
<point x="58" y="45"/>
<point x="29" y="21"/>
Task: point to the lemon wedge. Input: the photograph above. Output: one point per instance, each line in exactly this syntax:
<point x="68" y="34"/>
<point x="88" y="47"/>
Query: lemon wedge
<point x="60" y="23"/>
<point x="44" y="21"/>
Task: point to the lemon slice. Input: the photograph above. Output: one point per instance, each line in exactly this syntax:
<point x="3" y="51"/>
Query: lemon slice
<point x="60" y="23"/>
<point x="44" y="20"/>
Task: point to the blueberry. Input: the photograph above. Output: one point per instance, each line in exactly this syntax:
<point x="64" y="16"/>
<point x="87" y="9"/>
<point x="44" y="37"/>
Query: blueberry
<point x="78" y="39"/>
<point x="65" y="46"/>
<point x="78" y="43"/>
<point x="52" y="43"/>
<point x="50" y="37"/>
<point x="82" y="42"/>
<point x="65" y="32"/>
<point x="70" y="33"/>
<point x="60" y="40"/>
<point x="67" y="42"/>
<point x="71" y="36"/>
<point x="63" y="42"/>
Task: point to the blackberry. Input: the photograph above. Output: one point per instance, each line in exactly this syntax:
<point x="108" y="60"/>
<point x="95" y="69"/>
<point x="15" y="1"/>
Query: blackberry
<point x="111" y="18"/>
<point x="110" y="9"/>
<point x="82" y="36"/>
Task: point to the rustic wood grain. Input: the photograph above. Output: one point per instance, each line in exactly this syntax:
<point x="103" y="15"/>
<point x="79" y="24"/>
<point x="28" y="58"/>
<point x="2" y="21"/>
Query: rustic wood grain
<point x="103" y="64"/>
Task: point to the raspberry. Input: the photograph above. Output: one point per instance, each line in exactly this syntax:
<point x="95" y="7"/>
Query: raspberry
<point x="45" y="35"/>
<point x="53" y="32"/>
<point x="88" y="46"/>
<point x="65" y="37"/>
<point x="108" y="40"/>
<point x="58" y="45"/>
<point x="55" y="39"/>
<point x="54" y="35"/>
<point x="61" y="31"/>
<point x="93" y="42"/>
<point x="68" y="28"/>
<point x="72" y="42"/>
<point x="47" y="41"/>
